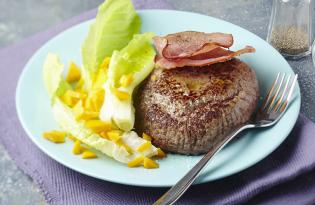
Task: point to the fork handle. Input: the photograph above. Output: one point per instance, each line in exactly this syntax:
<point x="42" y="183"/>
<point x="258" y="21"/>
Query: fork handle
<point x="174" y="193"/>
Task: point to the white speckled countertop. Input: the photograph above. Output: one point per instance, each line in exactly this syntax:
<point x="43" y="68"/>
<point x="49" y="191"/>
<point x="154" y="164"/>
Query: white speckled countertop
<point x="20" y="19"/>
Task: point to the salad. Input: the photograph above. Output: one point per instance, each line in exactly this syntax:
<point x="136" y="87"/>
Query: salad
<point x="93" y="104"/>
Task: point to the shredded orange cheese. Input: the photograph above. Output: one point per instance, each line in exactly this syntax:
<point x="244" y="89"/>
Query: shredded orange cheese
<point x="144" y="146"/>
<point x="55" y="136"/>
<point x="97" y="99"/>
<point x="72" y="97"/>
<point x="160" y="153"/>
<point x="88" y="155"/>
<point x="128" y="149"/>
<point x="121" y="95"/>
<point x="114" y="135"/>
<point x="72" y="138"/>
<point x="104" y="135"/>
<point x="98" y="125"/>
<point x="74" y="73"/>
<point x="79" y="85"/>
<point x="136" y="162"/>
<point x="146" y="137"/>
<point x="77" y="147"/>
<point x="149" y="163"/>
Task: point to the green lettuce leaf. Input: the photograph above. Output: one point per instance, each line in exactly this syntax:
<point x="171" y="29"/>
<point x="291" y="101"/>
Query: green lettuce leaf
<point x="52" y="76"/>
<point x="136" y="59"/>
<point x="65" y="117"/>
<point x="115" y="24"/>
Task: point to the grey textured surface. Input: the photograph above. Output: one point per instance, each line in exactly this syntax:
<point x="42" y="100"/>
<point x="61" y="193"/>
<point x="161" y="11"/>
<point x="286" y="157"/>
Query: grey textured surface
<point x="15" y="187"/>
<point x="22" y="18"/>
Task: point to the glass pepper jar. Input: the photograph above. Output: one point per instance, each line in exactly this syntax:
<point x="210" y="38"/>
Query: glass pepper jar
<point x="290" y="29"/>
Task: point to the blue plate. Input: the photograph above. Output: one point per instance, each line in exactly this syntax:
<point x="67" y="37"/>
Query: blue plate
<point x="34" y="111"/>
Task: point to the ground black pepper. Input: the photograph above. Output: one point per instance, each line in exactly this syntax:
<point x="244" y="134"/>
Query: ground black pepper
<point x="290" y="40"/>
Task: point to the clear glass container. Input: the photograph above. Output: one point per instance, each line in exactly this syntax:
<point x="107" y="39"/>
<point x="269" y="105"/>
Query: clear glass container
<point x="290" y="29"/>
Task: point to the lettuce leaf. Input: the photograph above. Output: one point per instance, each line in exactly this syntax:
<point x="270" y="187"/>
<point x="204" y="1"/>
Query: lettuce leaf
<point x="65" y="117"/>
<point x="115" y="24"/>
<point x="137" y="59"/>
<point x="52" y="75"/>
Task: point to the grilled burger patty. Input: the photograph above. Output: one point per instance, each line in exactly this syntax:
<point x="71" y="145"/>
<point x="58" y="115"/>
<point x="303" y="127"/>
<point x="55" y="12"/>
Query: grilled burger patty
<point x="188" y="110"/>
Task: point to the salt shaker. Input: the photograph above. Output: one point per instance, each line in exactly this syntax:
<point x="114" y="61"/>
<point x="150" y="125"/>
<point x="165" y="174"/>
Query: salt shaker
<point x="290" y="29"/>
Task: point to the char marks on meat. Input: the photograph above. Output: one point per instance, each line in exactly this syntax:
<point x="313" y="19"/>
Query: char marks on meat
<point x="188" y="110"/>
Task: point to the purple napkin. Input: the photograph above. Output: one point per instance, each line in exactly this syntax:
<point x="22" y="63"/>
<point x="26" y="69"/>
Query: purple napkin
<point x="287" y="176"/>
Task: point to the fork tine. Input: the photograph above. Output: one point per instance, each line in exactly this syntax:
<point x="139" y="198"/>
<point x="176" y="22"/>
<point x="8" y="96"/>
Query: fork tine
<point x="285" y="104"/>
<point x="284" y="92"/>
<point x="275" y="96"/>
<point x="267" y="98"/>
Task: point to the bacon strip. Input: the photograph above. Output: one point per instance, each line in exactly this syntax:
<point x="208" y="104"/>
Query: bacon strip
<point x="217" y="55"/>
<point x="190" y="43"/>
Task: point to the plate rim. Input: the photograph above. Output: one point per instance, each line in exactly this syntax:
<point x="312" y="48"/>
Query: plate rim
<point x="139" y="184"/>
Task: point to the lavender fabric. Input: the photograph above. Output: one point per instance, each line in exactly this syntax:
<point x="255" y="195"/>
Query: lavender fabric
<point x="287" y="176"/>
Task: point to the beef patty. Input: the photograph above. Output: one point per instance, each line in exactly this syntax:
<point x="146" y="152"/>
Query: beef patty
<point x="188" y="110"/>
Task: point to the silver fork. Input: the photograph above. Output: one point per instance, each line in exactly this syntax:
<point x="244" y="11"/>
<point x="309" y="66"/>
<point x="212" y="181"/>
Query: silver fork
<point x="274" y="106"/>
